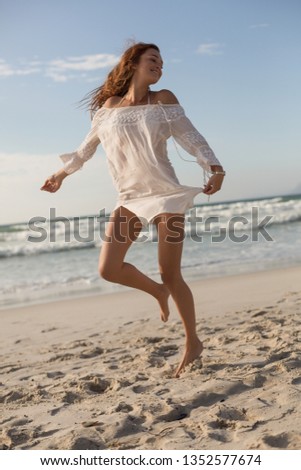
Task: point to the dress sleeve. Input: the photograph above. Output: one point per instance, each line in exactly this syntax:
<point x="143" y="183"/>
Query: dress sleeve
<point x="75" y="160"/>
<point x="190" y="139"/>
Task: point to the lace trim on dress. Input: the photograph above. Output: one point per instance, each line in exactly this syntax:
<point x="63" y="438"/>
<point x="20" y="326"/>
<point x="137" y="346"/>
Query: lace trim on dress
<point x="131" y="116"/>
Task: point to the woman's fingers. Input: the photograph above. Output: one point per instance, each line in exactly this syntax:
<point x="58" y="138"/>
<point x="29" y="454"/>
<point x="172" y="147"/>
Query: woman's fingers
<point x="46" y="185"/>
<point x="213" y="185"/>
<point x="50" y="185"/>
<point x="210" y="190"/>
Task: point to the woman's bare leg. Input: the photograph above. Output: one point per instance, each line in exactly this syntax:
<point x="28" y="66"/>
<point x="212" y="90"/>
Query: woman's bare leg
<point x="171" y="235"/>
<point x="121" y="231"/>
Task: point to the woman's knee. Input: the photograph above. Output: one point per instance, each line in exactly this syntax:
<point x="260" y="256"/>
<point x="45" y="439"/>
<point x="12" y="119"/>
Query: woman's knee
<point x="108" y="272"/>
<point x="170" y="277"/>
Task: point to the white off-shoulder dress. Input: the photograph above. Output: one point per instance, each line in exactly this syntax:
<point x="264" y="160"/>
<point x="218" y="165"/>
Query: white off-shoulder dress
<point x="135" y="142"/>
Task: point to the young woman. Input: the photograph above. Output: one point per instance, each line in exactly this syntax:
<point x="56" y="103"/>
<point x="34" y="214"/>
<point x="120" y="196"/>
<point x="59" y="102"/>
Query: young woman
<point x="133" y="125"/>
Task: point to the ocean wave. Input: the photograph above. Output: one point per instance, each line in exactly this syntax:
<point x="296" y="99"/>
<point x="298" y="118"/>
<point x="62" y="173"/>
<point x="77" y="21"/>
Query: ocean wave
<point x="201" y="229"/>
<point x="33" y="250"/>
<point x="202" y="220"/>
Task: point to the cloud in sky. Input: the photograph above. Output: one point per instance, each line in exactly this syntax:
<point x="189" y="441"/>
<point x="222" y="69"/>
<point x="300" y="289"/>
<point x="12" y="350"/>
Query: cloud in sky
<point x="59" y="70"/>
<point x="210" y="48"/>
<point x="7" y="70"/>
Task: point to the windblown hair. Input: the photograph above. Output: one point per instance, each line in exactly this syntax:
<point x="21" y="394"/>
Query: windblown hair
<point x="119" y="79"/>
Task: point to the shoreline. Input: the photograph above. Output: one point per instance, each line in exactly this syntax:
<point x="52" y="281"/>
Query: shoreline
<point x="214" y="293"/>
<point x="121" y="289"/>
<point x="96" y="372"/>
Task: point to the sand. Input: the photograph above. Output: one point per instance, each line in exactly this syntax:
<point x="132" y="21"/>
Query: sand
<point x="96" y="372"/>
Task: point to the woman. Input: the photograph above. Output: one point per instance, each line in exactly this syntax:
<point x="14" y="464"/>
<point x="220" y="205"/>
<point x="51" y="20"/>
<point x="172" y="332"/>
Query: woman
<point x="133" y="125"/>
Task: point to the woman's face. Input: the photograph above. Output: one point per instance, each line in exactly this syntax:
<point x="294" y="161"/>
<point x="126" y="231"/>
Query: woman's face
<point x="150" y="66"/>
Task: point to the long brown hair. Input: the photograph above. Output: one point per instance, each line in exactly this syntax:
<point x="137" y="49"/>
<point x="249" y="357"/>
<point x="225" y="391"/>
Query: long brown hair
<point x="118" y="80"/>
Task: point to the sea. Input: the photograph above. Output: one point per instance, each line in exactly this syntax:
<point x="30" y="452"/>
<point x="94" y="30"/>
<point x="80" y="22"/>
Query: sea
<point x="42" y="260"/>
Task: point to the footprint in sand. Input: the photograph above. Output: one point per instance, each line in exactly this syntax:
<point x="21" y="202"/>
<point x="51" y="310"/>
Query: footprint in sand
<point x="129" y="425"/>
<point x="221" y="436"/>
<point x="118" y="384"/>
<point x="20" y="422"/>
<point x="24" y="396"/>
<point x="259" y="313"/>
<point x="61" y="357"/>
<point x="214" y="366"/>
<point x="150" y="340"/>
<point x="279" y="356"/>
<point x="83" y="439"/>
<point x="293" y="362"/>
<point x="177" y="413"/>
<point x="296" y="381"/>
<point x="285" y="440"/>
<point x="207" y="399"/>
<point x="8" y="420"/>
<point x="39" y="433"/>
<point x="164" y="351"/>
<point x="162" y="391"/>
<point x="126" y="358"/>
<point x="55" y="411"/>
<point x="94" y="384"/>
<point x="255" y="381"/>
<point x="264" y="348"/>
<point x="222" y="424"/>
<point x="8" y="368"/>
<point x="232" y="414"/>
<point x="70" y="398"/>
<point x="48" y="330"/>
<point x="158" y="355"/>
<point x="123" y="407"/>
<point x="55" y="375"/>
<point x="167" y="350"/>
<point x="79" y="343"/>
<point x="90" y="353"/>
<point x="277" y="441"/>
<point x="141" y="388"/>
<point x="15" y="437"/>
<point x="141" y="376"/>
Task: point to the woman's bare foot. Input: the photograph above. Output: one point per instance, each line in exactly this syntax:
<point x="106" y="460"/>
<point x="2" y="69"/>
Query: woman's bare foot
<point x="192" y="352"/>
<point x="163" y="302"/>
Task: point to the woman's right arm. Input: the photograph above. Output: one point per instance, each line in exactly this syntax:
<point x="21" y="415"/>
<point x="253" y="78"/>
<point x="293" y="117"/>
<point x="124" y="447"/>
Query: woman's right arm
<point x="75" y="160"/>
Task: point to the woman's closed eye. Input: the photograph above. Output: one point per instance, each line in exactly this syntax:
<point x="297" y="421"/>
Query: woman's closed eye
<point x="157" y="62"/>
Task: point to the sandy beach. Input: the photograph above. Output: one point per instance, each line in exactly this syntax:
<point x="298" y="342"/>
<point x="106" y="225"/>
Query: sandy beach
<point x="96" y="372"/>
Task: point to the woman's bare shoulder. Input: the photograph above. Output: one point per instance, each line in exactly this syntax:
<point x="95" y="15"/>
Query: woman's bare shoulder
<point x="166" y="97"/>
<point x="112" y="102"/>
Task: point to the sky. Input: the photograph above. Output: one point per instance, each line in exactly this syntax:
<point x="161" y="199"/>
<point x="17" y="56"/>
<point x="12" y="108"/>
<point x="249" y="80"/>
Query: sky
<point x="234" y="66"/>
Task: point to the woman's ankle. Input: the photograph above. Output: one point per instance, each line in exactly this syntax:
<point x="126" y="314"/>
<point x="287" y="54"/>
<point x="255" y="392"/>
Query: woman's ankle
<point x="192" y="340"/>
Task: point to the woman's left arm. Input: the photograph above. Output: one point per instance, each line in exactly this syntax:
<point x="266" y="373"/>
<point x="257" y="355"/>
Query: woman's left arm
<point x="194" y="143"/>
<point x="190" y="139"/>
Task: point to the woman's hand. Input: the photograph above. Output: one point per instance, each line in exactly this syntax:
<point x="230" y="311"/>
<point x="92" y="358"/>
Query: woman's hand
<point x="53" y="182"/>
<point x="214" y="184"/>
